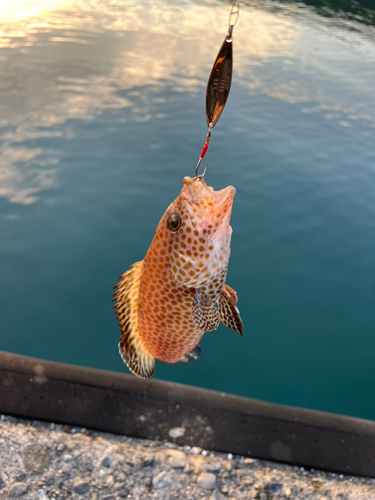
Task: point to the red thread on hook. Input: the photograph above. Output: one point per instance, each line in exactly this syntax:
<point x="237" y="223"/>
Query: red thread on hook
<point x="204" y="151"/>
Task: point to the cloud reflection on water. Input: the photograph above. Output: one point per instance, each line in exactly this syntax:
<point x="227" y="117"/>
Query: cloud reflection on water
<point x="67" y="60"/>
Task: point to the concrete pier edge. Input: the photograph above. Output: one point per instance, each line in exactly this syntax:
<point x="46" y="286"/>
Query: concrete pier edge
<point x="153" y="409"/>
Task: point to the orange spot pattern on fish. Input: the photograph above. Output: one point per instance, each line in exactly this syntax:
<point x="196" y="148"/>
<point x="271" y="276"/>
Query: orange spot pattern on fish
<point x="165" y="319"/>
<point x="189" y="254"/>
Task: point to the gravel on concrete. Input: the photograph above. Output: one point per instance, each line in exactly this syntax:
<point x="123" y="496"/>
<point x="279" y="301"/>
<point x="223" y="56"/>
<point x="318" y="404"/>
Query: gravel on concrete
<point x="46" y="461"/>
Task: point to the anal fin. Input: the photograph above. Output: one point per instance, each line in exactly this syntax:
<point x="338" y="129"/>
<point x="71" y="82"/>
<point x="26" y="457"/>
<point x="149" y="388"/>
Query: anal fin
<point x="229" y="314"/>
<point x="205" y="315"/>
<point x="132" y="351"/>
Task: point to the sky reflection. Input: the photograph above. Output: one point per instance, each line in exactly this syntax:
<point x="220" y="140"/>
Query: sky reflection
<point x="65" y="60"/>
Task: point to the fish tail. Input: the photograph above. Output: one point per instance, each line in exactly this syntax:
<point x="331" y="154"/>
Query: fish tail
<point x="132" y="351"/>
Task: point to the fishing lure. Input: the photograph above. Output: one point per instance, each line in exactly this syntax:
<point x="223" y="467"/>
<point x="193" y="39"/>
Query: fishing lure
<point x="166" y="302"/>
<point x="220" y="80"/>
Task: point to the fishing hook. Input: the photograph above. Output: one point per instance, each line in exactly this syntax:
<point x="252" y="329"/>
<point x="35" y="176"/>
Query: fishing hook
<point x="196" y="170"/>
<point x="197" y="167"/>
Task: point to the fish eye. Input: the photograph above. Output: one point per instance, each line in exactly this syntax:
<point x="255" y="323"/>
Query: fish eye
<point x="174" y="223"/>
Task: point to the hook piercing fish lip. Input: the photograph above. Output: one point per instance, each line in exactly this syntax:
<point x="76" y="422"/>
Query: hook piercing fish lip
<point x="202" y="175"/>
<point x="197" y="167"/>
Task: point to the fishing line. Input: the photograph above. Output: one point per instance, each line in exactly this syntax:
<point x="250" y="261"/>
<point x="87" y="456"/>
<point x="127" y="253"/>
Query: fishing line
<point x="220" y="80"/>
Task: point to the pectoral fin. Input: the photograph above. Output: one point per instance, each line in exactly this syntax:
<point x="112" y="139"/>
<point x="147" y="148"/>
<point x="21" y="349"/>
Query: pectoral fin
<point x="205" y="315"/>
<point x="229" y="314"/>
<point x="132" y="351"/>
<point x="232" y="294"/>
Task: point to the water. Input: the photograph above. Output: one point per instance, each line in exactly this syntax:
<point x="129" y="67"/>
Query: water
<point x="102" y="114"/>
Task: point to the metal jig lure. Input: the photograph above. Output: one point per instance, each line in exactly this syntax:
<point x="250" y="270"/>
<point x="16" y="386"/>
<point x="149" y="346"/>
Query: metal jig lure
<point x="220" y="80"/>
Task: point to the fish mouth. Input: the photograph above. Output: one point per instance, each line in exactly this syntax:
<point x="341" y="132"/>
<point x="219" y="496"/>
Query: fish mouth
<point x="195" y="189"/>
<point x="223" y="209"/>
<point x="224" y="196"/>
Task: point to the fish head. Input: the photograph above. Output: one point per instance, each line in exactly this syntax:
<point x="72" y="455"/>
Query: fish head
<point x="198" y="223"/>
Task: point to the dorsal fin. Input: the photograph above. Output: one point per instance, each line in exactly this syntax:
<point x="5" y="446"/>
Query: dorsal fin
<point x="205" y="315"/>
<point x="229" y="314"/>
<point x="138" y="360"/>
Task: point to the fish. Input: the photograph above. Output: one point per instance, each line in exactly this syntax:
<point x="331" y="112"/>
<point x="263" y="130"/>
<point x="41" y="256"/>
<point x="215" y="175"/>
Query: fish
<point x="166" y="302"/>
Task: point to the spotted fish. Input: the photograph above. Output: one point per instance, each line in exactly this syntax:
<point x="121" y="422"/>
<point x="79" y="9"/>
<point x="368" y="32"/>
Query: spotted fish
<point x="166" y="302"/>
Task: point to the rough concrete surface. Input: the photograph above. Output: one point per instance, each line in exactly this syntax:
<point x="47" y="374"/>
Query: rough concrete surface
<point x="43" y="461"/>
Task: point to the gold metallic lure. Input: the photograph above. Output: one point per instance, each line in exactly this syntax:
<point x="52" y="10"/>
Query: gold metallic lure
<point x="220" y="80"/>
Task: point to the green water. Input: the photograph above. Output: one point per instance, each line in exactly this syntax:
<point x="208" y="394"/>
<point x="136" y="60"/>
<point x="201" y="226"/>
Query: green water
<point x="102" y="115"/>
